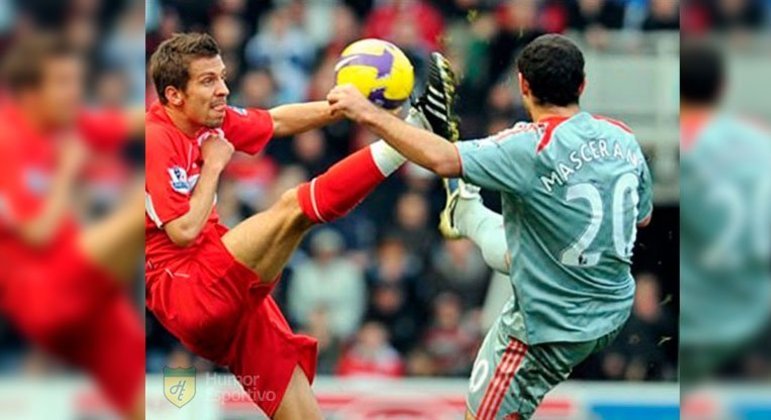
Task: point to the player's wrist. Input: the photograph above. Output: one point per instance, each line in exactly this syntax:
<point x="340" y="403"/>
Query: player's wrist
<point x="371" y="116"/>
<point x="213" y="167"/>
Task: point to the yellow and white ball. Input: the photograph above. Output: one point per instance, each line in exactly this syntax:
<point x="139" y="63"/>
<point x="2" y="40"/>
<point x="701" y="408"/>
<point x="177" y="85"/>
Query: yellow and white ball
<point x="378" y="69"/>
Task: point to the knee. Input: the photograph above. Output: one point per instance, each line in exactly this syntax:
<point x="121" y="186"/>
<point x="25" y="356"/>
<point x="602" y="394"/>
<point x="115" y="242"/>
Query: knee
<point x="288" y="200"/>
<point x="288" y="205"/>
<point x="497" y="258"/>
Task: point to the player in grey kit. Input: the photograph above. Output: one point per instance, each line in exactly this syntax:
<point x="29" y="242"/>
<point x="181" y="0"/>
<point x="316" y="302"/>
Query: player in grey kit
<point x="725" y="215"/>
<point x="574" y="189"/>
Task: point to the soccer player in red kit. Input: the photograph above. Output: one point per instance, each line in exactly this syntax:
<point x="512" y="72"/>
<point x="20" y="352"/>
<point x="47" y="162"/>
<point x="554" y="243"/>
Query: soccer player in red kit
<point x="62" y="286"/>
<point x="210" y="286"/>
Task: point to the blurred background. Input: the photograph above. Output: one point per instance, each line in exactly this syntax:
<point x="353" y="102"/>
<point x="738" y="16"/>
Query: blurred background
<point x="739" y="30"/>
<point x="111" y="34"/>
<point x="398" y="311"/>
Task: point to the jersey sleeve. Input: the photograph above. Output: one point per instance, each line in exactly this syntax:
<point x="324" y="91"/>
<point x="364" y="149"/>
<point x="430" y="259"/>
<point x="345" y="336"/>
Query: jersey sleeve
<point x="499" y="163"/>
<point x="249" y="130"/>
<point x="167" y="189"/>
<point x="645" y="192"/>
<point x="104" y="130"/>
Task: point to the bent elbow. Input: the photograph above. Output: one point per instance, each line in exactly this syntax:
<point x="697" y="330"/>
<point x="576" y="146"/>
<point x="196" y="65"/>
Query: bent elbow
<point x="445" y="168"/>
<point x="181" y="237"/>
<point x="444" y="161"/>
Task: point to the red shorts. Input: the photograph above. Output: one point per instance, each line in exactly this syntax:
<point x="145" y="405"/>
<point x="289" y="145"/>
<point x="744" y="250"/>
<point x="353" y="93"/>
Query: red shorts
<point x="225" y="314"/>
<point x="79" y="313"/>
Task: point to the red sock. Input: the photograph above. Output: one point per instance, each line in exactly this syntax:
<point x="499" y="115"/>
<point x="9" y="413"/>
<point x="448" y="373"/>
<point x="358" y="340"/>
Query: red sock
<point x="341" y="188"/>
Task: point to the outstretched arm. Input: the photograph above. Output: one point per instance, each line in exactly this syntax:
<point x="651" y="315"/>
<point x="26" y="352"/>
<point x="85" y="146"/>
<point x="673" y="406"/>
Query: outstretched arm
<point x="295" y="118"/>
<point x="417" y="145"/>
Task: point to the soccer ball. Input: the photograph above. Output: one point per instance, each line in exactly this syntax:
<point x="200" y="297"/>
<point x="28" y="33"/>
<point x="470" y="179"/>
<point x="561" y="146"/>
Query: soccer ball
<point x="378" y="69"/>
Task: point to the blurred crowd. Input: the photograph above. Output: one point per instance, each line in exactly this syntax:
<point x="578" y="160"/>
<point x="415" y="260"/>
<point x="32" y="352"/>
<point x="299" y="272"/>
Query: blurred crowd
<point x="725" y="16"/>
<point x="383" y="293"/>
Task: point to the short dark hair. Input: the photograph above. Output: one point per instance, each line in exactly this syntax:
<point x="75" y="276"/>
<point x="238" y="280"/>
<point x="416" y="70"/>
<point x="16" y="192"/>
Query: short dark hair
<point x="169" y="64"/>
<point x="702" y="73"/>
<point x="23" y="65"/>
<point x="553" y="66"/>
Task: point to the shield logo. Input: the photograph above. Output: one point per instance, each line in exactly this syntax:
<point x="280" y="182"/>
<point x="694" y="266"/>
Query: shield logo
<point x="179" y="385"/>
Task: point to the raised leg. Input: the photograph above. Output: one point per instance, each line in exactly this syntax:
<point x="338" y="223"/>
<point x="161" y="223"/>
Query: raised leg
<point x="265" y="241"/>
<point x="485" y="228"/>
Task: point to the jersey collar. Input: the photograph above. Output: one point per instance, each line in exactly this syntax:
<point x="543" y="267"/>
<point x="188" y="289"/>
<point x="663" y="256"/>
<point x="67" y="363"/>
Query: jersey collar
<point x="158" y="113"/>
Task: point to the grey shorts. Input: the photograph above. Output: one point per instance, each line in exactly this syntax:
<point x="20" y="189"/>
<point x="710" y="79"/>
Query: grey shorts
<point x="510" y="378"/>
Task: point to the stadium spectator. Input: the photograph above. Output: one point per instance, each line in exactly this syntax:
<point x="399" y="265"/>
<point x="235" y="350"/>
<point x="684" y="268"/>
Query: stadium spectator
<point x="286" y="50"/>
<point x="370" y="355"/>
<point x="595" y="18"/>
<point x="390" y="307"/>
<point x="395" y="293"/>
<point x="417" y="25"/>
<point x="412" y="224"/>
<point x="459" y="267"/>
<point x="517" y="22"/>
<point x="246" y="183"/>
<point x="588" y="14"/>
<point x="638" y="353"/>
<point x="420" y="363"/>
<point x="228" y="31"/>
<point x="731" y="15"/>
<point x="451" y="345"/>
<point x="663" y="15"/>
<point x="329" y="346"/>
<point x="330" y="282"/>
<point x="345" y="29"/>
<point x="396" y="266"/>
<point x="309" y="150"/>
<point x="647" y="328"/>
<point x="257" y="90"/>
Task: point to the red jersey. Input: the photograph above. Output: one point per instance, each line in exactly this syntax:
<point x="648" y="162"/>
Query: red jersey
<point x="28" y="160"/>
<point x="173" y="165"/>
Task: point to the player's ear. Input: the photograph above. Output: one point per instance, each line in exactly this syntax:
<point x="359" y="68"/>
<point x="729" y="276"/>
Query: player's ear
<point x="582" y="87"/>
<point x="524" y="87"/>
<point x="173" y="95"/>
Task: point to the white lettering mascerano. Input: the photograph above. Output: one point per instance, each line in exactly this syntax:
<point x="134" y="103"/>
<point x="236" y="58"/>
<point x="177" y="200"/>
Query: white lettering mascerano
<point x="596" y="150"/>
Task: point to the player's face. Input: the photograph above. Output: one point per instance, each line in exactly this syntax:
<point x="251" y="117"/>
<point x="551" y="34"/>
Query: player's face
<point x="60" y="94"/>
<point x="205" y="98"/>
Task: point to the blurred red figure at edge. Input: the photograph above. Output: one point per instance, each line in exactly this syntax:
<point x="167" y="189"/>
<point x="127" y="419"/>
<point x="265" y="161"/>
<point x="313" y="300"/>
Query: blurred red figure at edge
<point x="62" y="285"/>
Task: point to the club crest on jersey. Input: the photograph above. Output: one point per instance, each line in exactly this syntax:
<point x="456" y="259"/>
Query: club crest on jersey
<point x="179" y="181"/>
<point x="238" y="110"/>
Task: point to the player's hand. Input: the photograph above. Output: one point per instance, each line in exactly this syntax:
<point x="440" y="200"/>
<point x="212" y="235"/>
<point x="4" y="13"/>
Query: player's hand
<point x="348" y="101"/>
<point x="216" y="151"/>
<point x="72" y="155"/>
